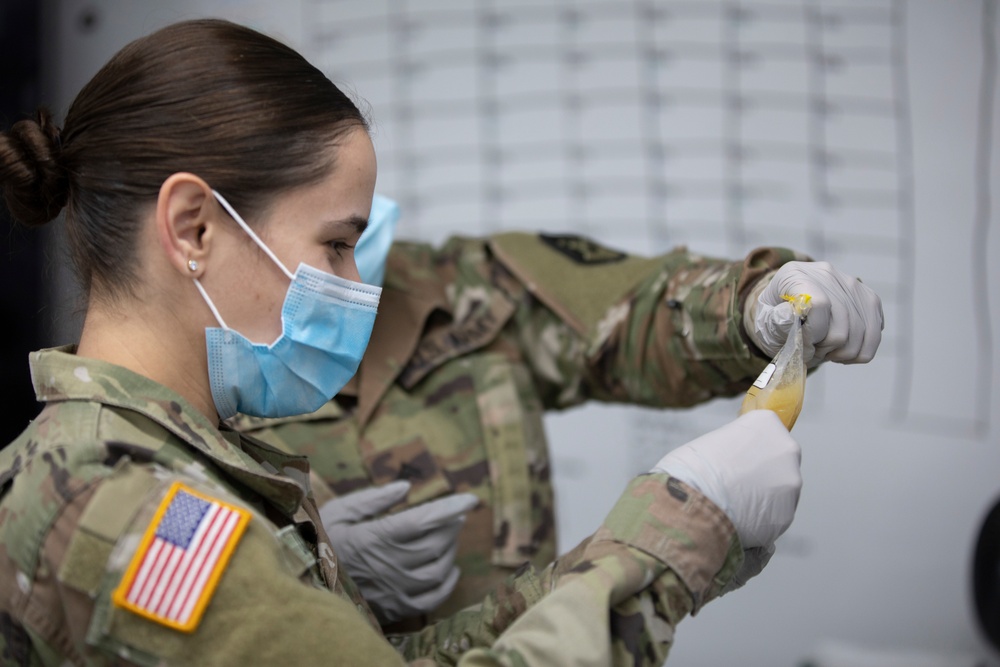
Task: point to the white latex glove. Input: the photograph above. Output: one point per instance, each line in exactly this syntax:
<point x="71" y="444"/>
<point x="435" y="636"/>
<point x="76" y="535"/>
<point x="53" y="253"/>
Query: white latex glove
<point x="844" y="324"/>
<point x="402" y="563"/>
<point x="750" y="469"/>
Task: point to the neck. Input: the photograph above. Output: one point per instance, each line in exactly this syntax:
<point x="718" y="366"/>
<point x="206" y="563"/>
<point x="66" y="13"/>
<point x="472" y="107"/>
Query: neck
<point x="136" y="340"/>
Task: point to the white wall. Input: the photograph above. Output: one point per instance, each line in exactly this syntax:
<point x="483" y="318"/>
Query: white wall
<point x="848" y="129"/>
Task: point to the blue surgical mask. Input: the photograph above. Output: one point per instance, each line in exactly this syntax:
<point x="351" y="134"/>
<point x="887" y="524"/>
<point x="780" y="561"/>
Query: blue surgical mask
<point x="325" y="325"/>
<point x="372" y="248"/>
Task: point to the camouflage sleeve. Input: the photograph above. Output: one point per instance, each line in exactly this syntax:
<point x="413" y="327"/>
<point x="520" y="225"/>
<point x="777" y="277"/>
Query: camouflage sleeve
<point x="264" y="609"/>
<point x="598" y="324"/>
<point x="663" y="552"/>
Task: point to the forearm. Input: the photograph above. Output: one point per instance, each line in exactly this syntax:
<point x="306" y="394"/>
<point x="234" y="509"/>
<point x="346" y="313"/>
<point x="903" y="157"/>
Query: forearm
<point x="675" y="339"/>
<point x="678" y="339"/>
<point x="572" y="629"/>
<point x="662" y="553"/>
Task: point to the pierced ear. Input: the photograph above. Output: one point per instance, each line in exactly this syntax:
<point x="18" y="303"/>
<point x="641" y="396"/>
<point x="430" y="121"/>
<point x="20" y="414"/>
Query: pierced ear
<point x="184" y="222"/>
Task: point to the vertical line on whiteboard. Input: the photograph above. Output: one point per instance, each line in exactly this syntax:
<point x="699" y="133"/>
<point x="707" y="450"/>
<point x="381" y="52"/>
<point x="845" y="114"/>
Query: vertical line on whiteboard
<point x="651" y="112"/>
<point x="400" y="26"/>
<point x="734" y="104"/>
<point x="572" y="55"/>
<point x="981" y="223"/>
<point x="487" y="100"/>
<point x="818" y="150"/>
<point x="902" y="393"/>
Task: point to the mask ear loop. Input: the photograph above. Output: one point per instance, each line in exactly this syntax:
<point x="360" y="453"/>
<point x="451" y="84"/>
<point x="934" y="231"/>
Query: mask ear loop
<point x="211" y="306"/>
<point x="236" y="216"/>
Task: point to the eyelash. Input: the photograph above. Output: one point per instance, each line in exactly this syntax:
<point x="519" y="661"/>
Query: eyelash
<point x="340" y="246"/>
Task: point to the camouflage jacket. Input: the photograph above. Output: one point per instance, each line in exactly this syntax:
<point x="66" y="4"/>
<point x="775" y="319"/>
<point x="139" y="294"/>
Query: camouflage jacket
<point x="99" y="490"/>
<point x="475" y="340"/>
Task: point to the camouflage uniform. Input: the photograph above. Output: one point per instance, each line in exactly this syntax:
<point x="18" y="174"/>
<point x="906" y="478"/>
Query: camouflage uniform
<point x="475" y="340"/>
<point x="81" y="488"/>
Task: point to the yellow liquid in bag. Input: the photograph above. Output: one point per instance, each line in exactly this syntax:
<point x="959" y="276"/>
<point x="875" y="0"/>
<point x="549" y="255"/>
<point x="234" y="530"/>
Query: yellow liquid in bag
<point x="786" y="401"/>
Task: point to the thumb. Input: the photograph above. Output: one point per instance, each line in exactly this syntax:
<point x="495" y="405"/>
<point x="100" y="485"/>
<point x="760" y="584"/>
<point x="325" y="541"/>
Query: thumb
<point x="773" y="322"/>
<point x="364" y="504"/>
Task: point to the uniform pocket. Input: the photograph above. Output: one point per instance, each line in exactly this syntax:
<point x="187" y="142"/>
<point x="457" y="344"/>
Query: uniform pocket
<point x="518" y="462"/>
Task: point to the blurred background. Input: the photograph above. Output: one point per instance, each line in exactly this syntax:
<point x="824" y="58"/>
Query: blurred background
<point x="863" y="132"/>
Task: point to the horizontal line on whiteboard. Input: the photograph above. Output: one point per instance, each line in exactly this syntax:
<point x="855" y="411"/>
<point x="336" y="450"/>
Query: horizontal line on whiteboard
<point x="405" y="21"/>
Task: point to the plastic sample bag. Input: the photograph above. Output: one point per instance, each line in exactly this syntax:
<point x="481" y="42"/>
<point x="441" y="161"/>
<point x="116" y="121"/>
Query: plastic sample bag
<point x="782" y="385"/>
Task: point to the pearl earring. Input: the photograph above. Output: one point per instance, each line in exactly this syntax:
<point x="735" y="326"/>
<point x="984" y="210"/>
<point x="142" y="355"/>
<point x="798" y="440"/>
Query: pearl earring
<point x="192" y="265"/>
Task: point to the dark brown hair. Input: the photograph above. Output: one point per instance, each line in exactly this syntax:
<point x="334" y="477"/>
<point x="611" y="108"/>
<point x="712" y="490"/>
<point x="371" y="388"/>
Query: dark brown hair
<point x="239" y="109"/>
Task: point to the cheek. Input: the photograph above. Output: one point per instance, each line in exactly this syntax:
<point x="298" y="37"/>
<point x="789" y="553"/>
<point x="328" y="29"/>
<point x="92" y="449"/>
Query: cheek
<point x="269" y="292"/>
<point x="263" y="317"/>
<point x="258" y="296"/>
<point x="319" y="257"/>
<point x="328" y="260"/>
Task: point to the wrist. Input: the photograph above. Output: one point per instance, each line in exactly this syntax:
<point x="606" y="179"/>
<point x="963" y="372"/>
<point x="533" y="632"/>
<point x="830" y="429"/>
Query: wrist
<point x="676" y="524"/>
<point x="748" y="311"/>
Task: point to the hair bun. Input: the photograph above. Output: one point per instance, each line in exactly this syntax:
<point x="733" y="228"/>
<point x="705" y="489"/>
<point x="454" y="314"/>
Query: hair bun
<point x="34" y="183"/>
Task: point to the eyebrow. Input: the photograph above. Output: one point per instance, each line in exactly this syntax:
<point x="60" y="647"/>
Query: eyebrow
<point x="356" y="221"/>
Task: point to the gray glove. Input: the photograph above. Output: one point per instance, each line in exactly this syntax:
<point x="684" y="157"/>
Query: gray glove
<point x="402" y="563"/>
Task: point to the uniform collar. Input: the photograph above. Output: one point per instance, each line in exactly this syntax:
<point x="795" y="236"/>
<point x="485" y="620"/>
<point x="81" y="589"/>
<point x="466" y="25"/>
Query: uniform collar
<point x="58" y="374"/>
<point x="398" y="329"/>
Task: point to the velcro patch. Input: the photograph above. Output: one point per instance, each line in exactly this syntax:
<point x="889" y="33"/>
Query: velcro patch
<point x="573" y="276"/>
<point x="181" y="558"/>
<point x="581" y="249"/>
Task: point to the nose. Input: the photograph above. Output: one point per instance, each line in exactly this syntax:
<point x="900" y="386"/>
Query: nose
<point x="350" y="270"/>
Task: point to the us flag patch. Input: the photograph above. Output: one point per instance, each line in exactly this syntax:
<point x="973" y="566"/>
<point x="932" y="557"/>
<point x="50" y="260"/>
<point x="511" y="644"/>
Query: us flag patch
<point x="181" y="557"/>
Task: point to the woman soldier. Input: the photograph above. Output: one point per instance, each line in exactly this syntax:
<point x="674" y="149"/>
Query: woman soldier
<point x="214" y="184"/>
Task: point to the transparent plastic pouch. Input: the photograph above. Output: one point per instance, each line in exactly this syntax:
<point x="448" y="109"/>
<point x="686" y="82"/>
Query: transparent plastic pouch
<point x="782" y="385"/>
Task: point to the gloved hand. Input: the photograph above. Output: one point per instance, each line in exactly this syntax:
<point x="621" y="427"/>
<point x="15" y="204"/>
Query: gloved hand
<point x="845" y="322"/>
<point x="750" y="469"/>
<point x="403" y="563"/>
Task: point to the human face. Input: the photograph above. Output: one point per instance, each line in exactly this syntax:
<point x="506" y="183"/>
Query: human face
<point x="318" y="225"/>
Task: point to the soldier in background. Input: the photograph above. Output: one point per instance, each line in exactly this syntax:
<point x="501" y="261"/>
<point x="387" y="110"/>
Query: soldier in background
<point x="475" y="340"/>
